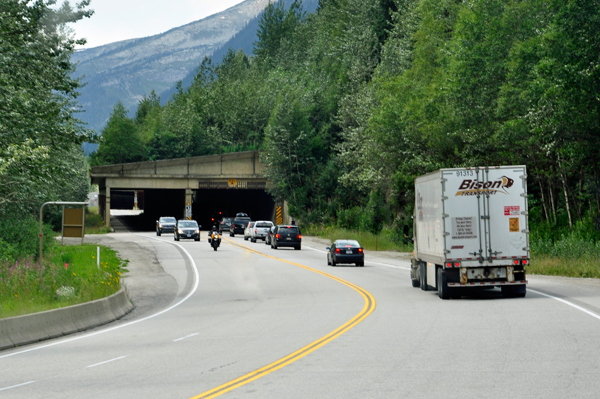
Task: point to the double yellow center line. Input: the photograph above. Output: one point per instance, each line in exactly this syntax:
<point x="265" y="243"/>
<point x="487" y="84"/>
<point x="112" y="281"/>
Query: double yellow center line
<point x="367" y="309"/>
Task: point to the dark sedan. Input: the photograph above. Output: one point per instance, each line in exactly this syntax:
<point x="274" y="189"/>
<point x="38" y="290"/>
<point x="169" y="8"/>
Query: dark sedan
<point x="345" y="251"/>
<point x="165" y="224"/>
<point x="286" y="236"/>
<point x="187" y="229"/>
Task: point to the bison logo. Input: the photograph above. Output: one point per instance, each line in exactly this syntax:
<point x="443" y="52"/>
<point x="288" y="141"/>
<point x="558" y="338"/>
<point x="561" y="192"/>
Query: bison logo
<point x="507" y="182"/>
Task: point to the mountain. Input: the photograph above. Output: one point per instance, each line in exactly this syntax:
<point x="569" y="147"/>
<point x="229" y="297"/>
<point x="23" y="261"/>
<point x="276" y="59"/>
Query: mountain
<point x="127" y="70"/>
<point x="243" y="40"/>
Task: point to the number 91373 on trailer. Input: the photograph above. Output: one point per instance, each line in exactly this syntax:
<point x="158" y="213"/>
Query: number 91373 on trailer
<point x="470" y="230"/>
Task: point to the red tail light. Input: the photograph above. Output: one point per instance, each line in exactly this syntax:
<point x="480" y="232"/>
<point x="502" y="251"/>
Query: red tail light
<point x="516" y="262"/>
<point x="525" y="261"/>
<point x="360" y="250"/>
<point x="277" y="235"/>
<point x="337" y="250"/>
<point x="299" y="237"/>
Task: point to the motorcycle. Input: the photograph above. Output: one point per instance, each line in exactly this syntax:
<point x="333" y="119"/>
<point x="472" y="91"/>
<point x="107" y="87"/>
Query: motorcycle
<point x="214" y="240"/>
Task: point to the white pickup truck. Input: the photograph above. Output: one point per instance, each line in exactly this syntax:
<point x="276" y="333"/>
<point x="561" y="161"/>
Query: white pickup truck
<point x="260" y="229"/>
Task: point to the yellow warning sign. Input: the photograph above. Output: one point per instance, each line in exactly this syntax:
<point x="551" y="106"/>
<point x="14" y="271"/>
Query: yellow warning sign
<point x="513" y="225"/>
<point x="278" y="217"/>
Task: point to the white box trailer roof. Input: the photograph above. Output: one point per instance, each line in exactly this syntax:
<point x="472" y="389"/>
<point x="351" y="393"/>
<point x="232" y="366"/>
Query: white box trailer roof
<point x="477" y="216"/>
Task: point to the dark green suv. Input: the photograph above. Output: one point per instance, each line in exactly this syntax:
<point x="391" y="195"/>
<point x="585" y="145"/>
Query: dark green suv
<point x="286" y="235"/>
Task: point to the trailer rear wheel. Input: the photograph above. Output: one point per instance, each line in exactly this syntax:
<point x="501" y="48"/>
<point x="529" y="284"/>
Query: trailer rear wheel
<point x="442" y="284"/>
<point x="514" y="291"/>
<point x="423" y="276"/>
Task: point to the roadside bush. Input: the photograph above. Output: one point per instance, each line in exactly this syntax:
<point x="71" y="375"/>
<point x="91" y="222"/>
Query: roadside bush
<point x="20" y="238"/>
<point x="350" y="218"/>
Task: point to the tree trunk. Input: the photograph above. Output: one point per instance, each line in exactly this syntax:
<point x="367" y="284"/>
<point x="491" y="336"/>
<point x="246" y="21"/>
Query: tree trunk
<point x="597" y="189"/>
<point x="544" y="207"/>
<point x="566" y="192"/>
<point x="552" y="202"/>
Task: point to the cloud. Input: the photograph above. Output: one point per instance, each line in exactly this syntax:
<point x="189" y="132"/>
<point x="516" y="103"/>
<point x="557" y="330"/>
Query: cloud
<point x="116" y="20"/>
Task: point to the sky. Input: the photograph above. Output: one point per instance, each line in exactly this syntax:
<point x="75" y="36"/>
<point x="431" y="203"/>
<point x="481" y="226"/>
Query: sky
<point x="116" y="20"/>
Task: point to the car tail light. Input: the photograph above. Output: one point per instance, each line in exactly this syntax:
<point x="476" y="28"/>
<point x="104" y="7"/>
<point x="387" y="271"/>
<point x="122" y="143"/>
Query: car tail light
<point x="337" y="250"/>
<point x="299" y="237"/>
<point x="360" y="250"/>
<point x="277" y="235"/>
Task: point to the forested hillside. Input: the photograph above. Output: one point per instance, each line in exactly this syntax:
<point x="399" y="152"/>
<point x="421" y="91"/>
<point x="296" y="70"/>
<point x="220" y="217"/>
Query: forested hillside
<point x="351" y="102"/>
<point x="40" y="137"/>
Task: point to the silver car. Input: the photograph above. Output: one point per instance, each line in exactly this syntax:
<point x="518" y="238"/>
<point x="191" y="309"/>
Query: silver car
<point x="247" y="230"/>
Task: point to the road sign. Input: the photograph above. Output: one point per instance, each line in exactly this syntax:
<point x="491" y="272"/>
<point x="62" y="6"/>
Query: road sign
<point x="188" y="211"/>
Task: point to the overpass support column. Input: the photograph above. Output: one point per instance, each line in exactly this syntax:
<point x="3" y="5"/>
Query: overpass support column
<point x="107" y="206"/>
<point x="188" y="203"/>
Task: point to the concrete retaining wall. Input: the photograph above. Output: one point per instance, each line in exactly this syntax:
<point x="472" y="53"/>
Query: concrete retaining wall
<point x="27" y="329"/>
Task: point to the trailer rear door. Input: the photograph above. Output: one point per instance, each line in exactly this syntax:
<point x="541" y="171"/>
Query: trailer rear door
<point x="485" y="214"/>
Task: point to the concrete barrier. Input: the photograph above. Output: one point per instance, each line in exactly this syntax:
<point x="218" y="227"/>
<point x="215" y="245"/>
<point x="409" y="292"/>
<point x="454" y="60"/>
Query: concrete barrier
<point x="27" y="329"/>
<point x="5" y="341"/>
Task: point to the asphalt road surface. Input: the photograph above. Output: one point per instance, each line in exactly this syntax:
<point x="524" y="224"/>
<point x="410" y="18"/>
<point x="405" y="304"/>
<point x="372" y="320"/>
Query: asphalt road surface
<point x="251" y="322"/>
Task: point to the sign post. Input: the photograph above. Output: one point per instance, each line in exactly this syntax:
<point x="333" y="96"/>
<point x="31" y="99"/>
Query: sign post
<point x="42" y="231"/>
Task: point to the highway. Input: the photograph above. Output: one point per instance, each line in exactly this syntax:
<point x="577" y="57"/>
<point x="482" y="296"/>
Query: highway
<point x="247" y="321"/>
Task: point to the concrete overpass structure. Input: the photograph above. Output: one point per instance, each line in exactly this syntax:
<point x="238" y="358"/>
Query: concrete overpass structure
<point x="206" y="185"/>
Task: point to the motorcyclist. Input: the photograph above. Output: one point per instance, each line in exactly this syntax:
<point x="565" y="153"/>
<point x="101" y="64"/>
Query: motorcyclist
<point x="215" y="233"/>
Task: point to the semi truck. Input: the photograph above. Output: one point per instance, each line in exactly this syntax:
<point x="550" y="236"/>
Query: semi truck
<point x="470" y="230"/>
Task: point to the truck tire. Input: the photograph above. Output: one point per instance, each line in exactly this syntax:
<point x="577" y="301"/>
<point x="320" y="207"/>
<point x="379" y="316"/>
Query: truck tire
<point x="423" y="276"/>
<point x="514" y="291"/>
<point x="442" y="284"/>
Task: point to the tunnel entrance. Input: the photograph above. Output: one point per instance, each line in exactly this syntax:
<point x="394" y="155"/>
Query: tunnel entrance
<point x="258" y="204"/>
<point x="207" y="204"/>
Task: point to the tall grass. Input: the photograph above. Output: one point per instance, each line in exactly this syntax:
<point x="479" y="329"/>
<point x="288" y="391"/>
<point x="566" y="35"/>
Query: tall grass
<point x="571" y="255"/>
<point x="94" y="223"/>
<point x="387" y="240"/>
<point x="70" y="275"/>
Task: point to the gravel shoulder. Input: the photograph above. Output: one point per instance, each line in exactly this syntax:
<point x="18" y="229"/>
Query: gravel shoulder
<point x="149" y="287"/>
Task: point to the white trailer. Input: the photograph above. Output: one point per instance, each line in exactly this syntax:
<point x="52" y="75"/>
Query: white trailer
<point x="470" y="229"/>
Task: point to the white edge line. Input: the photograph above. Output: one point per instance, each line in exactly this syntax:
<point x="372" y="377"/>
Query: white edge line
<point x="196" y="278"/>
<point x="567" y="303"/>
<point x="18" y="385"/>
<point x="528" y="289"/>
<point x="108" y="361"/>
<point x="187" y="336"/>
